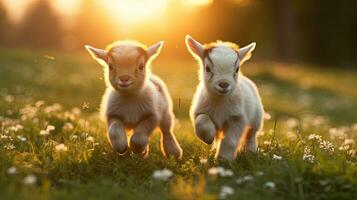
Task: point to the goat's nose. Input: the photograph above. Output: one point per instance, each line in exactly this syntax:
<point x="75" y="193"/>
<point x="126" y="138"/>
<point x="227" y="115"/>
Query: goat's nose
<point x="223" y="85"/>
<point x="124" y="78"/>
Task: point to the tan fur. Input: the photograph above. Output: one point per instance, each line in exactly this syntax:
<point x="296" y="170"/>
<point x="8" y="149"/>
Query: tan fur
<point x="238" y="112"/>
<point x="141" y="103"/>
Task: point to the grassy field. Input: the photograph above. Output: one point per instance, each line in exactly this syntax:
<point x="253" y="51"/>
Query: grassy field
<point x="53" y="145"/>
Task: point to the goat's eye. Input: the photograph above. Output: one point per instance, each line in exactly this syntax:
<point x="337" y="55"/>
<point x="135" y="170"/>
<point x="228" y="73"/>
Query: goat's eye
<point x="208" y="69"/>
<point x="141" y="66"/>
<point x="237" y="70"/>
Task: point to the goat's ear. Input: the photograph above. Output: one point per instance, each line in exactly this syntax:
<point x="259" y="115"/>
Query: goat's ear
<point x="194" y="47"/>
<point x="98" y="54"/>
<point x="155" y="49"/>
<point x="245" y="53"/>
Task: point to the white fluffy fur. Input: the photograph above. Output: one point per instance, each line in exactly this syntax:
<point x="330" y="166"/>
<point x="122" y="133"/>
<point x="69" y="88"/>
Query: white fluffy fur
<point x="231" y="120"/>
<point x="142" y="106"/>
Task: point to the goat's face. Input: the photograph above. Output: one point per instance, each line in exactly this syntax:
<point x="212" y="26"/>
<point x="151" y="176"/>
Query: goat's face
<point x="126" y="67"/>
<point x="221" y="63"/>
<point x="220" y="70"/>
<point x="126" y="64"/>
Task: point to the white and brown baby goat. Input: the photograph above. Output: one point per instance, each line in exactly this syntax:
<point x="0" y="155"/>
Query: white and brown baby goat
<point x="226" y="103"/>
<point x="135" y="99"/>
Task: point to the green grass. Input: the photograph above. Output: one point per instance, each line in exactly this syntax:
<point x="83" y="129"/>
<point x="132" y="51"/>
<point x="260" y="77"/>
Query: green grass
<point x="37" y="91"/>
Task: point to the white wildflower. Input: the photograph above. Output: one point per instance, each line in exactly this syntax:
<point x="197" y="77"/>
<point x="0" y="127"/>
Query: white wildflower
<point x="203" y="160"/>
<point x="226" y="191"/>
<point x="348" y="142"/>
<point x="352" y="152"/>
<point x="12" y="170"/>
<point x="76" y="111"/>
<point x="22" y="138"/>
<point x="292" y="123"/>
<point x="90" y="139"/>
<point x="338" y="133"/>
<point x="309" y="158"/>
<point x="162" y="175"/>
<point x="344" y="147"/>
<point x="61" y="147"/>
<point x="9" y="98"/>
<point x="48" y="130"/>
<point x="16" y="128"/>
<point x="53" y="108"/>
<point x="220" y="171"/>
<point x="68" y="126"/>
<point x="44" y="132"/>
<point x="315" y="137"/>
<point x="266" y="142"/>
<point x="276" y="157"/>
<point x="269" y="184"/>
<point x="244" y="179"/>
<point x="5" y="137"/>
<point x="327" y="145"/>
<point x="74" y="137"/>
<point x="215" y="170"/>
<point x="30" y="179"/>
<point x="9" y="146"/>
<point x="39" y="103"/>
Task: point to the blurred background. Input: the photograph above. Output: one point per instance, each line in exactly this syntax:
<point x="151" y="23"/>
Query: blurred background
<point x="304" y="63"/>
<point x="319" y="32"/>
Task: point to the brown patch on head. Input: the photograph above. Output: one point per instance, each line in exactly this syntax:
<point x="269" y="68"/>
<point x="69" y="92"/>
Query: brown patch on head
<point x="127" y="55"/>
<point x="210" y="46"/>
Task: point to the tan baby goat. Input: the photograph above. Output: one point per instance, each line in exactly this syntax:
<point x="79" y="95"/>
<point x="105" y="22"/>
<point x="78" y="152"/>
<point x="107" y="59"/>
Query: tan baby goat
<point x="135" y="98"/>
<point x="225" y="101"/>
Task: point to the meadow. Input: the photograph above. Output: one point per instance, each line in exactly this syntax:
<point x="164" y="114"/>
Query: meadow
<point x="53" y="145"/>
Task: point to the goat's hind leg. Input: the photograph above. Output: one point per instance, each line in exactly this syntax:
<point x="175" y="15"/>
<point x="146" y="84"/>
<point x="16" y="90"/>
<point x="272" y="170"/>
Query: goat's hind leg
<point x="251" y="140"/>
<point x="168" y="143"/>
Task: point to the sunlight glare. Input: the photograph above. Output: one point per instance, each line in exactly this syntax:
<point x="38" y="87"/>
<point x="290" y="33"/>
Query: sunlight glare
<point x="200" y="2"/>
<point x="135" y="11"/>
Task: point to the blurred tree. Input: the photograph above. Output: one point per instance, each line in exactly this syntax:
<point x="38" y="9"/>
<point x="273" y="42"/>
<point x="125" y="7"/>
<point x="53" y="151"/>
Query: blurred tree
<point x="327" y="31"/>
<point x="93" y="25"/>
<point x="283" y="21"/>
<point x="4" y="25"/>
<point x="40" y="26"/>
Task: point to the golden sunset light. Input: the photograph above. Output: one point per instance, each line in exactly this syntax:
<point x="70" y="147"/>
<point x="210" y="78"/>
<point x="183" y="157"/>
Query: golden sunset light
<point x="134" y="11"/>
<point x="128" y="12"/>
<point x="178" y="99"/>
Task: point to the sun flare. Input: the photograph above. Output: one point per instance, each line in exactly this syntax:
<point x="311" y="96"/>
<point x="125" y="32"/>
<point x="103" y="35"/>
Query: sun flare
<point x="135" y="11"/>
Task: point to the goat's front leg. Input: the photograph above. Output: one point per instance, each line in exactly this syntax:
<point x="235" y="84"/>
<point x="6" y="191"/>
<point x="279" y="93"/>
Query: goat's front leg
<point x="139" y="140"/>
<point x="232" y="131"/>
<point x="205" y="128"/>
<point x="117" y="135"/>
